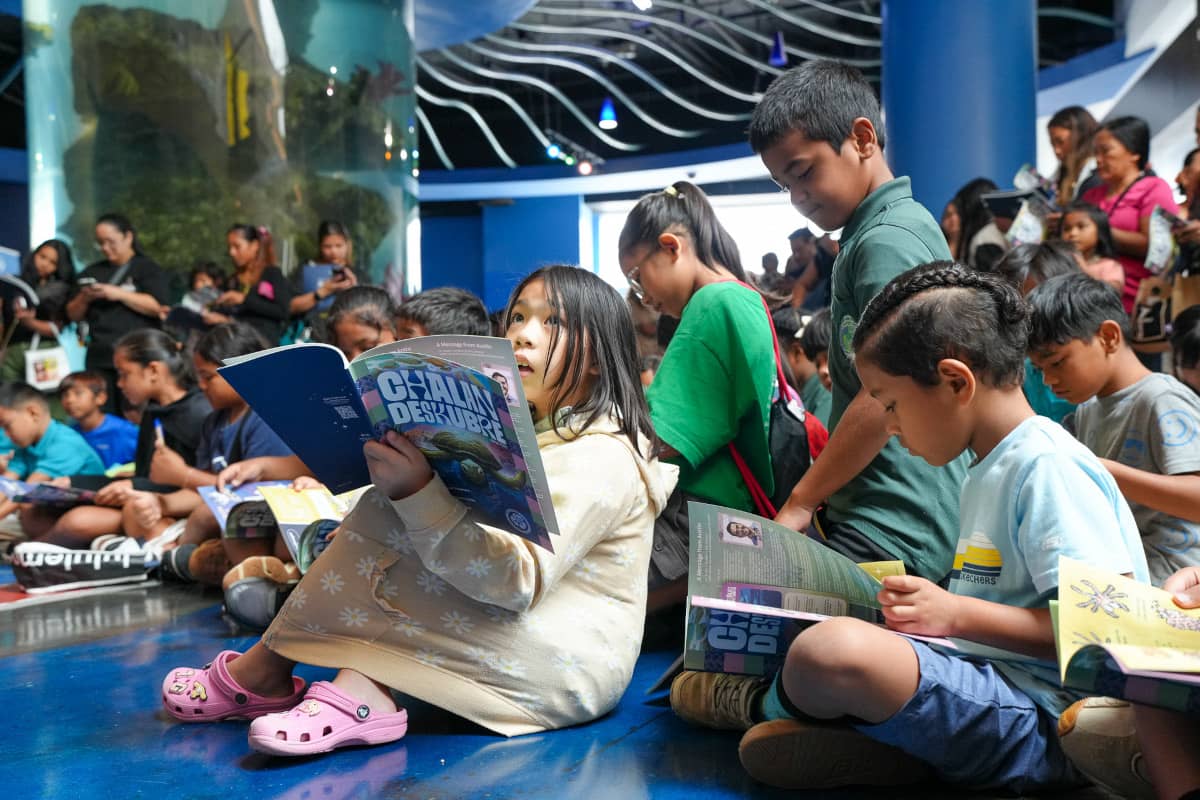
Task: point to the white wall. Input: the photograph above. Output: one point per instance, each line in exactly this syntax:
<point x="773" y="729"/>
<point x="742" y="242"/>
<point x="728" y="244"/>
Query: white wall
<point x="759" y="223"/>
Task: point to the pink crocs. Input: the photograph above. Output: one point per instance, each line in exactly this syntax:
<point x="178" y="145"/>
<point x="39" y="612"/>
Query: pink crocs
<point x="327" y="719"/>
<point x="210" y="693"/>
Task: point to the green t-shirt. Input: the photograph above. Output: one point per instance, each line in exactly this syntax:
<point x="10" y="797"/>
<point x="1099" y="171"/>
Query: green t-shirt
<point x="817" y="399"/>
<point x="714" y="386"/>
<point x="899" y="501"/>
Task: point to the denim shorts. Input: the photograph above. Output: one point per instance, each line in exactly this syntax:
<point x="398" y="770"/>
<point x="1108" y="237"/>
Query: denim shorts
<point x="976" y="728"/>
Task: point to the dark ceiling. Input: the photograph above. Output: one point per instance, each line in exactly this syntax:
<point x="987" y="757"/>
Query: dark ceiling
<point x="683" y="74"/>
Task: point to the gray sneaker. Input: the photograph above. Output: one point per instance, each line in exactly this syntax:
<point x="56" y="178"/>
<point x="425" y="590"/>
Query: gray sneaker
<point x="1099" y="736"/>
<point x="254" y="602"/>
<point x="717" y="700"/>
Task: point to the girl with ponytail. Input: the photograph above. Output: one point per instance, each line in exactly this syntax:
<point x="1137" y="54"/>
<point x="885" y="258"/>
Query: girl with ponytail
<point x="717" y="377"/>
<point x="257" y="293"/>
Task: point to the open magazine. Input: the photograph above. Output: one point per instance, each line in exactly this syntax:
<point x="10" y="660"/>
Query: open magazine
<point x="240" y="507"/>
<point x="306" y="517"/>
<point x="44" y="494"/>
<point x="457" y="398"/>
<point x="754" y="585"/>
<point x="1120" y="638"/>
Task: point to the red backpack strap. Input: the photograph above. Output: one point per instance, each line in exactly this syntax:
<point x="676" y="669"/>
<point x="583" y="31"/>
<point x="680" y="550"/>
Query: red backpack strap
<point x="761" y="502"/>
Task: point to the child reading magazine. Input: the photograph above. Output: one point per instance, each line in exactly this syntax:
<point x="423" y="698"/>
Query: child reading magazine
<point x="415" y="594"/>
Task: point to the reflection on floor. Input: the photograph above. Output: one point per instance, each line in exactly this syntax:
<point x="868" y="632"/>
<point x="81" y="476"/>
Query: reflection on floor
<point x="80" y="693"/>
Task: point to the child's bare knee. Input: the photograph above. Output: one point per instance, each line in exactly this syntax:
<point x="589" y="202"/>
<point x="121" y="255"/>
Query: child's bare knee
<point x="837" y="648"/>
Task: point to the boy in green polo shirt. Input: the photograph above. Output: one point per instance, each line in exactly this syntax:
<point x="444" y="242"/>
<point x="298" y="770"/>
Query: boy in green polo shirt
<point x="819" y="133"/>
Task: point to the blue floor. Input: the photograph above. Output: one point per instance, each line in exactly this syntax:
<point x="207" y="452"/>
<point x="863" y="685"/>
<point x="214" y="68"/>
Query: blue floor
<point x="84" y="720"/>
<point x="79" y="691"/>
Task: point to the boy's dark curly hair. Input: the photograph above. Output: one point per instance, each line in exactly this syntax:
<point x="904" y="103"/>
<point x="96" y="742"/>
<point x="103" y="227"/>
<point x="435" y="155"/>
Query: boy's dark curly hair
<point x="945" y="310"/>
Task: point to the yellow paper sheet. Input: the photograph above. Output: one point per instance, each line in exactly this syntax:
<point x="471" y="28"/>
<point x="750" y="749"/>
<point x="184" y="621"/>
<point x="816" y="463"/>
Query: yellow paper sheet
<point x="881" y="569"/>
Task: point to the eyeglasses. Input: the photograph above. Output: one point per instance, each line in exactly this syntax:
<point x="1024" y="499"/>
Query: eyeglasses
<point x="638" y="290"/>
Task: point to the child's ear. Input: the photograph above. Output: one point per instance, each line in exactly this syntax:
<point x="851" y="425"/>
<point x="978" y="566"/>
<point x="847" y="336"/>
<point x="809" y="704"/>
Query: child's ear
<point x="1110" y="335"/>
<point x="958" y="377"/>
<point x="671" y="243"/>
<point x="864" y="137"/>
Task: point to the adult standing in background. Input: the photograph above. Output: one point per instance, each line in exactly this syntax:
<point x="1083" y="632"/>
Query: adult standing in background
<point x="121" y="293"/>
<point x="257" y="293"/>
<point x="1128" y="194"/>
<point x="1071" y="130"/>
<point x="315" y="284"/>
<point x="50" y="272"/>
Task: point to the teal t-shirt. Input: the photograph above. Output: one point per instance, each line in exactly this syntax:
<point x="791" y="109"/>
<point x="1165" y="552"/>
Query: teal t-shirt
<point x="61" y="451"/>
<point x="900" y="502"/>
<point x="817" y="399"/>
<point x="1041" y="399"/>
<point x="715" y="386"/>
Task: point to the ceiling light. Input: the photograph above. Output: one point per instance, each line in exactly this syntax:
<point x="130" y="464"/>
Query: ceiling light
<point x="778" y="56"/>
<point x="585" y="168"/>
<point x="608" y="115"/>
<point x="643" y="5"/>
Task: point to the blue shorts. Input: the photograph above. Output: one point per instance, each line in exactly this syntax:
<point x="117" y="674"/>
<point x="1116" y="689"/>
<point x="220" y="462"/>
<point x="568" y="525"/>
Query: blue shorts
<point x="976" y="728"/>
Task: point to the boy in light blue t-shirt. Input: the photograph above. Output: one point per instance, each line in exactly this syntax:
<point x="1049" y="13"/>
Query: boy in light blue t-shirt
<point x="45" y="448"/>
<point x="942" y="349"/>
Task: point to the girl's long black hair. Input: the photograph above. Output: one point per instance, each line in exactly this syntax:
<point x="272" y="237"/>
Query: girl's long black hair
<point x="65" y="271"/>
<point x="229" y="340"/>
<point x="972" y="213"/>
<point x="145" y="346"/>
<point x="598" y="327"/>
<point x="1104" y="240"/>
<point x="682" y="208"/>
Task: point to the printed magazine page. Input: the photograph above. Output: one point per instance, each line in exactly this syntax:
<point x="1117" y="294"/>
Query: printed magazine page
<point x="1121" y="638"/>
<point x="458" y="398"/>
<point x="245" y="504"/>
<point x="754" y="585"/>
<point x="44" y="494"/>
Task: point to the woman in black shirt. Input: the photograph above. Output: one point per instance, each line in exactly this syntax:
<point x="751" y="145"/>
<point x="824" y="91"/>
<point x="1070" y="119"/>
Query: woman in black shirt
<point x="257" y="292"/>
<point x="119" y="294"/>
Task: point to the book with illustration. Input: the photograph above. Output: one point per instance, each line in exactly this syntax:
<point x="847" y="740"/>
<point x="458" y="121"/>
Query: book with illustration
<point x="459" y="399"/>
<point x="45" y="494"/>
<point x="306" y="517"/>
<point x="1117" y="637"/>
<point x="240" y="507"/>
<point x="754" y="585"/>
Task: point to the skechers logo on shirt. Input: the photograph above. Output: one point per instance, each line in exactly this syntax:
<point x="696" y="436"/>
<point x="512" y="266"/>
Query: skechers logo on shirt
<point x="977" y="560"/>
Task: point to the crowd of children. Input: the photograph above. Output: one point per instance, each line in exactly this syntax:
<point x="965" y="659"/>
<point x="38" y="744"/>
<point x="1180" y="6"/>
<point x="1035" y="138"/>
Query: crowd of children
<point x="983" y="402"/>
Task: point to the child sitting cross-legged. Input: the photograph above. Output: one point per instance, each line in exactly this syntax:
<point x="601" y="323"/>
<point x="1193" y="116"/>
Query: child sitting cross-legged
<point x="83" y="396"/>
<point x="1143" y="425"/>
<point x="231" y="433"/>
<point x="414" y="594"/>
<point x="941" y="349"/>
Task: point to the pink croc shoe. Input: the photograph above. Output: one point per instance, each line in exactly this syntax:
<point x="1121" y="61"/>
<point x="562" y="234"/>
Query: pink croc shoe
<point x="327" y="719"/>
<point x="210" y="693"/>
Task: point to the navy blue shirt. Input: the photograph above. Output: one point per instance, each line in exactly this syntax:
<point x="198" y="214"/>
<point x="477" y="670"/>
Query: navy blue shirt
<point x="223" y="442"/>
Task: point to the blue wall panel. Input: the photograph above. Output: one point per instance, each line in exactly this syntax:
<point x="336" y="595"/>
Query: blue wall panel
<point x="524" y="235"/>
<point x="959" y="92"/>
<point x="452" y="252"/>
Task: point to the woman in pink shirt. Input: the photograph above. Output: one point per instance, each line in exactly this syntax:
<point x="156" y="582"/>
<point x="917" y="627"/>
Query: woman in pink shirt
<point x="1128" y="194"/>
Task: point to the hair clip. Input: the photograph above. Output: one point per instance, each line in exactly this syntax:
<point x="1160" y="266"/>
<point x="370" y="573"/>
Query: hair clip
<point x="672" y="191"/>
